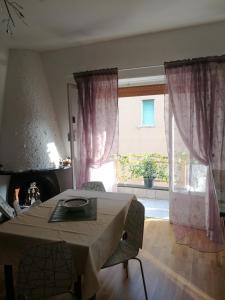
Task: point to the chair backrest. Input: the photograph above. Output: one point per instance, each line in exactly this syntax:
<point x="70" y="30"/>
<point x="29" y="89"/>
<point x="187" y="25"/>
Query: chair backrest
<point x="93" y="186"/>
<point x="19" y="210"/>
<point x="6" y="210"/>
<point x="45" y="270"/>
<point x="134" y="224"/>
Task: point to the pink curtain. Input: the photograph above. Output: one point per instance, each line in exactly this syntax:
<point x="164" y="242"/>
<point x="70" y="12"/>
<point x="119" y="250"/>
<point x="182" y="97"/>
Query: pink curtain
<point x="196" y="91"/>
<point x="97" y="119"/>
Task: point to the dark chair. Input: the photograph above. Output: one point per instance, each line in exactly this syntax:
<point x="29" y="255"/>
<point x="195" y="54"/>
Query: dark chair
<point x="46" y="271"/>
<point x="93" y="186"/>
<point x="19" y="210"/>
<point x="131" y="242"/>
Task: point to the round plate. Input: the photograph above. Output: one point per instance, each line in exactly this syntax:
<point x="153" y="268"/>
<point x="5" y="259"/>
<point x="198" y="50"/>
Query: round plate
<point x="75" y="203"/>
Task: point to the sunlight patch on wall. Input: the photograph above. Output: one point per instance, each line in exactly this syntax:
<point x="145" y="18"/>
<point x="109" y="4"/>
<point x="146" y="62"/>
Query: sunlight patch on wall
<point x="53" y="154"/>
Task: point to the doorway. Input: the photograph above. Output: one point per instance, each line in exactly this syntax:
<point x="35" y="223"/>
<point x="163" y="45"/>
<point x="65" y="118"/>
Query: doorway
<point x="141" y="137"/>
<point x="142" y="142"/>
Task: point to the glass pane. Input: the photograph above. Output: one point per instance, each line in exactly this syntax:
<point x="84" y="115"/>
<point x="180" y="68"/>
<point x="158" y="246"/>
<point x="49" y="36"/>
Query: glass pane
<point x="148" y="113"/>
<point x="198" y="177"/>
<point x="189" y="175"/>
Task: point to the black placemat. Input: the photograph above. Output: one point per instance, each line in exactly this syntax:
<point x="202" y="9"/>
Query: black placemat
<point x="62" y="214"/>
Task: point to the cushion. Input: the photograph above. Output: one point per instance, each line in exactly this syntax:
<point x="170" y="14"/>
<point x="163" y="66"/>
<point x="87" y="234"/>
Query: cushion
<point x="6" y="209"/>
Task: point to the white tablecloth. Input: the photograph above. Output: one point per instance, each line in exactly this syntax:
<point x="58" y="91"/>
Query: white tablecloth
<point x="92" y="242"/>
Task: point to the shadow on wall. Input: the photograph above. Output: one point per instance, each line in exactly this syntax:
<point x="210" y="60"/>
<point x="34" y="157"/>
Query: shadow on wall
<point x="53" y="154"/>
<point x="4" y="180"/>
<point x="3" y="70"/>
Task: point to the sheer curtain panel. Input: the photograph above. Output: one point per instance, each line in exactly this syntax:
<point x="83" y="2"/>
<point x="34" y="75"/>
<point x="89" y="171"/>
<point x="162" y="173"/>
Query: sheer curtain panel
<point x="97" y="120"/>
<point x="196" y="91"/>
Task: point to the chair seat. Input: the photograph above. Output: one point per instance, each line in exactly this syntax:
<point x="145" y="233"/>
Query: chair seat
<point x="123" y="253"/>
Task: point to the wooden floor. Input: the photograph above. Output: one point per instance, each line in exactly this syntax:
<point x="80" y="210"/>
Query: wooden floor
<point x="172" y="271"/>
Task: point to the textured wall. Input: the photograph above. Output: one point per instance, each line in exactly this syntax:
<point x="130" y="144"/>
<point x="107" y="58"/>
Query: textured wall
<point x="29" y="136"/>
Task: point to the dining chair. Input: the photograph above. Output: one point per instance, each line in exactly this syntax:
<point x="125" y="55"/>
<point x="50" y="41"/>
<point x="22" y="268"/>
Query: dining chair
<point x="46" y="271"/>
<point x="93" y="186"/>
<point x="7" y="212"/>
<point x="20" y="210"/>
<point x="131" y="241"/>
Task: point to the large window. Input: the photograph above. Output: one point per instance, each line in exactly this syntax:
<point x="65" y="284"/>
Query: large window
<point x="148" y="112"/>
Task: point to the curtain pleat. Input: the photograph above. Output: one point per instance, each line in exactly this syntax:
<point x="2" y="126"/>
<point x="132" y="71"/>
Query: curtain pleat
<point x="196" y="91"/>
<point x="97" y="119"/>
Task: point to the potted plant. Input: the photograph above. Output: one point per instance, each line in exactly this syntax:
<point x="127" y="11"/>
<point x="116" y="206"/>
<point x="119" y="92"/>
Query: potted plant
<point x="147" y="168"/>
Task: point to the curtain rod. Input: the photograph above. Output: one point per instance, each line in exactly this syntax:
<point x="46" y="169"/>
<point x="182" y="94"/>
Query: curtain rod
<point x="130" y="69"/>
<point x="139" y="68"/>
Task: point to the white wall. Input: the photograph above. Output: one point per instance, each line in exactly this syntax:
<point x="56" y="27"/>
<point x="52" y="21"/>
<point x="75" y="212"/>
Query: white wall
<point x="143" y="50"/>
<point x="135" y="138"/>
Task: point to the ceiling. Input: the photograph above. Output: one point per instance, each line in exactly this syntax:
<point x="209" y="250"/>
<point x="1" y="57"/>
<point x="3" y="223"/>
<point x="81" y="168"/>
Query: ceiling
<point x="56" y="24"/>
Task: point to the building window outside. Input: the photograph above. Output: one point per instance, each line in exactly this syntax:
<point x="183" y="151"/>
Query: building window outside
<point x="148" y="113"/>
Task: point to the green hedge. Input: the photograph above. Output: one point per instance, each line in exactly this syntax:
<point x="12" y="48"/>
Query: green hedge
<point x="130" y="166"/>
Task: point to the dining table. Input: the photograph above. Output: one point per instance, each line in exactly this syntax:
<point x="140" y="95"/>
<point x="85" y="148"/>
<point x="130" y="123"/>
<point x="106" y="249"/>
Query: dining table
<point x="91" y="241"/>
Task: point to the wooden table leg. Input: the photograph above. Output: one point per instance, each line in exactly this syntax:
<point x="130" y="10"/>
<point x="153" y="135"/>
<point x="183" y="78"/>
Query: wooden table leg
<point x="9" y="287"/>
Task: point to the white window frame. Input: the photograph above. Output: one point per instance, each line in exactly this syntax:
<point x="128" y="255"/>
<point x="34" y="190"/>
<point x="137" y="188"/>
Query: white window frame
<point x="142" y="113"/>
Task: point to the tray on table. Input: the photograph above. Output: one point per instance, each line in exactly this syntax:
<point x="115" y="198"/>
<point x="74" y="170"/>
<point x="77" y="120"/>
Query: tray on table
<point x="62" y="214"/>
